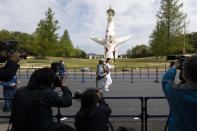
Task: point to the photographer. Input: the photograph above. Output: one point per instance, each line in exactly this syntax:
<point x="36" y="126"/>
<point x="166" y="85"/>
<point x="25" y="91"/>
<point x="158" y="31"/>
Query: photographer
<point x="32" y="105"/>
<point x="182" y="98"/>
<point x="9" y="70"/>
<point x="92" y="117"/>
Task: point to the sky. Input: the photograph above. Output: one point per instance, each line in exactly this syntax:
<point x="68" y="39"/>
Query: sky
<point x="85" y="18"/>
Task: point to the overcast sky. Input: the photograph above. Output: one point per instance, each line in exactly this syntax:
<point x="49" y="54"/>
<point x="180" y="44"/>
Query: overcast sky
<point x="84" y="18"/>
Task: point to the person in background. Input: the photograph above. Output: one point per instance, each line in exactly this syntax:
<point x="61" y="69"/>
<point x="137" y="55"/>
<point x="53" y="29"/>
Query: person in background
<point x="61" y="68"/>
<point x="109" y="67"/>
<point x="9" y="89"/>
<point x="94" y="112"/>
<point x="101" y="76"/>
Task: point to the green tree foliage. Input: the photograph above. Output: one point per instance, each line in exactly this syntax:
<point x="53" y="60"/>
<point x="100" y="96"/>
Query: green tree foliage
<point x="192" y="41"/>
<point x="129" y="53"/>
<point x="25" y="41"/>
<point x="158" y="39"/>
<point x="44" y="41"/>
<point x="138" y="51"/>
<point x="170" y="26"/>
<point x="46" y="37"/>
<point x="67" y="49"/>
<point x="79" y="53"/>
<point x="5" y="35"/>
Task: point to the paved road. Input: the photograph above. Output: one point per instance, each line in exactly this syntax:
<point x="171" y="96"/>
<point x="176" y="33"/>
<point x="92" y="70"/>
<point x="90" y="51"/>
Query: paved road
<point x="120" y="87"/>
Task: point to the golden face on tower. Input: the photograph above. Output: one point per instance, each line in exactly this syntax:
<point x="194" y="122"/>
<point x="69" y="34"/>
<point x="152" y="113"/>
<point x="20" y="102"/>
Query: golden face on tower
<point x="110" y="12"/>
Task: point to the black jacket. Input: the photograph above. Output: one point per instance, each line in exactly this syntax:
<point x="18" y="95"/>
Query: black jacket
<point x="8" y="71"/>
<point x="95" y="119"/>
<point x="32" y="108"/>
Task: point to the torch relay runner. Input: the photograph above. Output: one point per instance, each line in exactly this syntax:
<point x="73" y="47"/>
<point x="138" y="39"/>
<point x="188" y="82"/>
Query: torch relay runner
<point x="109" y="67"/>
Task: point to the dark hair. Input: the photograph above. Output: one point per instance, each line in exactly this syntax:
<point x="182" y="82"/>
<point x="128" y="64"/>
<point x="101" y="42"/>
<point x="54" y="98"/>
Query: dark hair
<point x="108" y="59"/>
<point x="89" y="99"/>
<point x="3" y="46"/>
<point x="44" y="77"/>
<point x="190" y="67"/>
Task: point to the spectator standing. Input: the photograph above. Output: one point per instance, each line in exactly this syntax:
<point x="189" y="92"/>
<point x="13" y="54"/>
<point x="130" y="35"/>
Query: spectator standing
<point x="182" y="98"/>
<point x="92" y="117"/>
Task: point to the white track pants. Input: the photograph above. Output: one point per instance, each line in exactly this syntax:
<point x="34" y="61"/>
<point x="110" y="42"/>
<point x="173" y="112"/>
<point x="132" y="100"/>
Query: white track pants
<point x="108" y="82"/>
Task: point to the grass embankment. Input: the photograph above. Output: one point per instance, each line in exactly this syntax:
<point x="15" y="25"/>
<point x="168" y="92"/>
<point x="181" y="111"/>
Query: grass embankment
<point x="75" y="62"/>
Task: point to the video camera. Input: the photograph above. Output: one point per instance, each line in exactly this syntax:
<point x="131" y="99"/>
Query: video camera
<point x="55" y="67"/>
<point x="12" y="47"/>
<point x="181" y="60"/>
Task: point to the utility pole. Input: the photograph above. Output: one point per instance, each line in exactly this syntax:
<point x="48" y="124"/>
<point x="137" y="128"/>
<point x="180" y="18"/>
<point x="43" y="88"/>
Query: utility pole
<point x="184" y="39"/>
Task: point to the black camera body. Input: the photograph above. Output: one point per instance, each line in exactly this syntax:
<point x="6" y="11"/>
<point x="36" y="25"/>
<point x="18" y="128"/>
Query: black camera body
<point x="12" y="44"/>
<point x="55" y="67"/>
<point x="78" y="94"/>
<point x="181" y="59"/>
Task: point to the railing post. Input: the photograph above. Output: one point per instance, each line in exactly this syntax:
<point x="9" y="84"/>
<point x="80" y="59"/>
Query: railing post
<point x="19" y="72"/>
<point x="148" y="73"/>
<point x="91" y="72"/>
<point x="165" y="67"/>
<point x="123" y="73"/>
<point x="157" y="73"/>
<point x="131" y="75"/>
<point x="75" y="73"/>
<point x="83" y="77"/>
<point x="142" y="114"/>
<point x="27" y="73"/>
<point x="140" y="73"/>
<point x="67" y="74"/>
<point x="145" y="113"/>
<point x="58" y="114"/>
<point x="115" y="72"/>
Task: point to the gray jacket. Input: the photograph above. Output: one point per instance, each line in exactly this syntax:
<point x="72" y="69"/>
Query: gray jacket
<point x="100" y="77"/>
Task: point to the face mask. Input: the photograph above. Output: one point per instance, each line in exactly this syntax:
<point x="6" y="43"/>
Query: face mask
<point x="3" y="59"/>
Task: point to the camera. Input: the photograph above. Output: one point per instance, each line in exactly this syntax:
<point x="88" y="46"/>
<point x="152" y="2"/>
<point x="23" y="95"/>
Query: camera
<point x="181" y="60"/>
<point x="55" y="67"/>
<point x="78" y="94"/>
<point x="12" y="47"/>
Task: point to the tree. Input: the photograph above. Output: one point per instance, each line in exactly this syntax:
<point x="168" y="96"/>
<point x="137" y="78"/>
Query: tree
<point x="171" y="22"/>
<point x="129" y="53"/>
<point x="5" y="35"/>
<point x="67" y="49"/>
<point x="192" y="41"/>
<point x="46" y="37"/>
<point x="138" y="51"/>
<point x="25" y="42"/>
<point x="158" y="39"/>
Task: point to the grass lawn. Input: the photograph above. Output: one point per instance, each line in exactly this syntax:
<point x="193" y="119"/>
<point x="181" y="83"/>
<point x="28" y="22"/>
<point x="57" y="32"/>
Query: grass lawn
<point x="76" y="62"/>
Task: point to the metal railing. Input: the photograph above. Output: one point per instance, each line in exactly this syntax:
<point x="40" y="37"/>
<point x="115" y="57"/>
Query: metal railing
<point x="119" y="73"/>
<point x="144" y="116"/>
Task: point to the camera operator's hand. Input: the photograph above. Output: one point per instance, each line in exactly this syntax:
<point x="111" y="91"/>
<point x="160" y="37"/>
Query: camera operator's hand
<point x="15" y="57"/>
<point x="62" y="81"/>
<point x="99" y="95"/>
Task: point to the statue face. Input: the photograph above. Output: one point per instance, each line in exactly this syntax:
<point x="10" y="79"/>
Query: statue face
<point x="110" y="40"/>
<point x="110" y="13"/>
